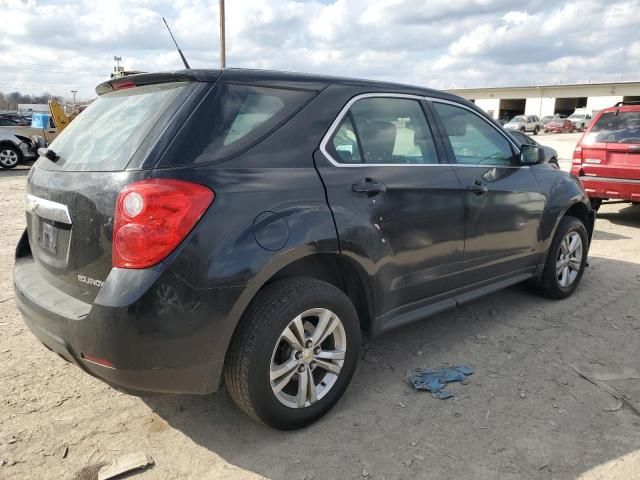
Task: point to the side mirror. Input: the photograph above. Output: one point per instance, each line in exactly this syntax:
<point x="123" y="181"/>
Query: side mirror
<point x="531" y="154"/>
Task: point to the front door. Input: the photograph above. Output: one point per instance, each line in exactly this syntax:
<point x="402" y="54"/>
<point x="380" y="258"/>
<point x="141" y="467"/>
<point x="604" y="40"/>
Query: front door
<point x="397" y="209"/>
<point x="502" y="201"/>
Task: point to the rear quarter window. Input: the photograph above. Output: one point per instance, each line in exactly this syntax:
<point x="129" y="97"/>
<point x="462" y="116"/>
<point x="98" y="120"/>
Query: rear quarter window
<point x="231" y="118"/>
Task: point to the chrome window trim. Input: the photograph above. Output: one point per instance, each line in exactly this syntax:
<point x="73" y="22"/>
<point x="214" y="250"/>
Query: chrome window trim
<point x="336" y="123"/>
<point x="47" y="209"/>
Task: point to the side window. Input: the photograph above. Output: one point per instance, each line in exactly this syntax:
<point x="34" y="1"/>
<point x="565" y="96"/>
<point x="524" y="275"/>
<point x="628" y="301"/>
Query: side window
<point x="385" y="130"/>
<point x="345" y="142"/>
<point x="473" y="140"/>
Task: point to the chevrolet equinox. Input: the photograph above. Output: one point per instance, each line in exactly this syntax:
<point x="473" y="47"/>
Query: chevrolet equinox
<point x="245" y="227"/>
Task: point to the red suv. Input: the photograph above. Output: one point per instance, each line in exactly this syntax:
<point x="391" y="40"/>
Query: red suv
<point x="607" y="157"/>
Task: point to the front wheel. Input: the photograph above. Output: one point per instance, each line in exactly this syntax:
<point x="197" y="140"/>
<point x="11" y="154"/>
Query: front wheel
<point x="294" y="354"/>
<point x="566" y="259"/>
<point x="535" y="131"/>
<point x="9" y="156"/>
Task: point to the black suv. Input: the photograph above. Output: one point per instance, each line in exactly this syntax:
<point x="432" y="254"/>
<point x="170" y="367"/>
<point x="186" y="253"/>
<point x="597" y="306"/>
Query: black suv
<point x="196" y="226"/>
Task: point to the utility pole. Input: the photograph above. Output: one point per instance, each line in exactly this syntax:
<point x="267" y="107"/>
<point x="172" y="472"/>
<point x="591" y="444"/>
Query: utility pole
<point x="73" y="92"/>
<point x="223" y="59"/>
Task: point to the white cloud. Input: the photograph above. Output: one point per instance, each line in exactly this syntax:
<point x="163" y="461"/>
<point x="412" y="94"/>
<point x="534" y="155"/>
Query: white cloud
<point x="59" y="46"/>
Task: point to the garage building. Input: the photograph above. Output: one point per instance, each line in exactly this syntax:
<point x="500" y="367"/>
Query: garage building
<point x="542" y="100"/>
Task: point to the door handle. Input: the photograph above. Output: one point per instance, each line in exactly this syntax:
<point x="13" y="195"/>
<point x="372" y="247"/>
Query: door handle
<point x="478" y="188"/>
<point x="369" y="186"/>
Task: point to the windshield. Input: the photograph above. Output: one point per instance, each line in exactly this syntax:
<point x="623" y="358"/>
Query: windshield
<point x="107" y="134"/>
<point x="519" y="118"/>
<point x="617" y="127"/>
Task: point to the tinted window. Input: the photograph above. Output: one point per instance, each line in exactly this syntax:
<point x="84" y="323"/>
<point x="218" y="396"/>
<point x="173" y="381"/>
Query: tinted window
<point x="7" y="122"/>
<point x="620" y="127"/>
<point x="473" y="140"/>
<point x="110" y="130"/>
<point x="345" y="143"/>
<point x="231" y="118"/>
<point x="389" y="131"/>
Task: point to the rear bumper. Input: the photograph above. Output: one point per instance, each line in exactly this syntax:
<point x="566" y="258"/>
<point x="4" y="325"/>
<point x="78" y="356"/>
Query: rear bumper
<point x="612" y="188"/>
<point x="144" y="347"/>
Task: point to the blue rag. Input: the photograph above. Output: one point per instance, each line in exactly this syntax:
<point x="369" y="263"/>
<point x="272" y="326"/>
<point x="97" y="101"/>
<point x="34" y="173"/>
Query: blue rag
<point x="435" y="380"/>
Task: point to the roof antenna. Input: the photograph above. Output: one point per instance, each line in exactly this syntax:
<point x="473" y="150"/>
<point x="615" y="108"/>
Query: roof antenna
<point x="184" y="60"/>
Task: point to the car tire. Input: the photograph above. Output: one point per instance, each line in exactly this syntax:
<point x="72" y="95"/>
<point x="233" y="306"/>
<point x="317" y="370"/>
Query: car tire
<point x="263" y="348"/>
<point x="564" y="267"/>
<point x="582" y="127"/>
<point x="523" y="130"/>
<point x="10" y="156"/>
<point x="535" y="131"/>
<point x="596" y="203"/>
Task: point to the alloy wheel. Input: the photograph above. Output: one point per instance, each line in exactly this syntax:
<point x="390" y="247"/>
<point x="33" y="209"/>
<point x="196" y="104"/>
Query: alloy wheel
<point x="8" y="157"/>
<point x="569" y="259"/>
<point x="308" y="357"/>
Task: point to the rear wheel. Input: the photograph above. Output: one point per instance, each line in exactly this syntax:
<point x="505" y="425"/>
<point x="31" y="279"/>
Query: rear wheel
<point x="294" y="354"/>
<point x="9" y="156"/>
<point x="566" y="259"/>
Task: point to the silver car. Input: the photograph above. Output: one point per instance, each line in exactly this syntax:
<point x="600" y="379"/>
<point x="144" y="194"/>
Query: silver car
<point x="524" y="123"/>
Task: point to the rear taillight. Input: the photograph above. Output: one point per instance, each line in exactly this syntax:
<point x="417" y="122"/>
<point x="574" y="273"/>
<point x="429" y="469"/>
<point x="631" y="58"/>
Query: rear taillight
<point x="577" y="155"/>
<point x="152" y="217"/>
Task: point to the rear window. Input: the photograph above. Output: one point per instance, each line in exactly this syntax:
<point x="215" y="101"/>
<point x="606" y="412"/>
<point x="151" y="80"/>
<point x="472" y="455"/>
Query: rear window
<point x="232" y="118"/>
<point x="107" y="134"/>
<point x="616" y="127"/>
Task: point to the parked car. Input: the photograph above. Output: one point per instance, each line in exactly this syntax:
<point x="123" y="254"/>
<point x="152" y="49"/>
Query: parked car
<point x="558" y="125"/>
<point x="548" y="118"/>
<point x="15" y="148"/>
<point x="580" y="119"/>
<point x="246" y="226"/>
<point x="550" y="154"/>
<point x="607" y="157"/>
<point x="13" y="119"/>
<point x="19" y="143"/>
<point x="524" y="123"/>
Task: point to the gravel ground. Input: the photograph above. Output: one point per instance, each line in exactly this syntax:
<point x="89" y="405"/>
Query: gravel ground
<point x="524" y="414"/>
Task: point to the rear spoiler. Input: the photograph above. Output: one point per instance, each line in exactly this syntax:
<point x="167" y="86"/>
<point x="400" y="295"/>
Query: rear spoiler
<point x="141" y="79"/>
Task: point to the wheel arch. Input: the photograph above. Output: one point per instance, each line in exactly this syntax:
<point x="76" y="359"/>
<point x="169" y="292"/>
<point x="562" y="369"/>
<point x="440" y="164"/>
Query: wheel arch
<point x="339" y="271"/>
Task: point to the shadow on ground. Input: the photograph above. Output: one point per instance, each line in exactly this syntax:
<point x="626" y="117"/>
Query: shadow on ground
<point x="524" y="414"/>
<point x="16" y="172"/>
<point x="628" y="216"/>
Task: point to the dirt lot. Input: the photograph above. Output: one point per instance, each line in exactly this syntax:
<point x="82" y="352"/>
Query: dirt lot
<point x="523" y="414"/>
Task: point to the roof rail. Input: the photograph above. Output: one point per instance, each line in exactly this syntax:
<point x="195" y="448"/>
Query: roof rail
<point x="628" y="102"/>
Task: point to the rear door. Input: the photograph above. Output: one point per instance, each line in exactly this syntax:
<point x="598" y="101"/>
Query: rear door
<point x="502" y="201"/>
<point x="71" y="202"/>
<point x="397" y="209"/>
<point x="611" y="148"/>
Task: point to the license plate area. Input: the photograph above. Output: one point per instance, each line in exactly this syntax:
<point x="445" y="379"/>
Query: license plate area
<point x="53" y="240"/>
<point x="48" y="237"/>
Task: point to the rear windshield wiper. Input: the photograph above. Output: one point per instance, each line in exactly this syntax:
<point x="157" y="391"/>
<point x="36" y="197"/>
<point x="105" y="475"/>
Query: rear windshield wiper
<point x="47" y="152"/>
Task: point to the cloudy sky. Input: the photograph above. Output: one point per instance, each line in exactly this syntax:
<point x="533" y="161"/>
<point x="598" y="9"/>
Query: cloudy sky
<point x="57" y="45"/>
